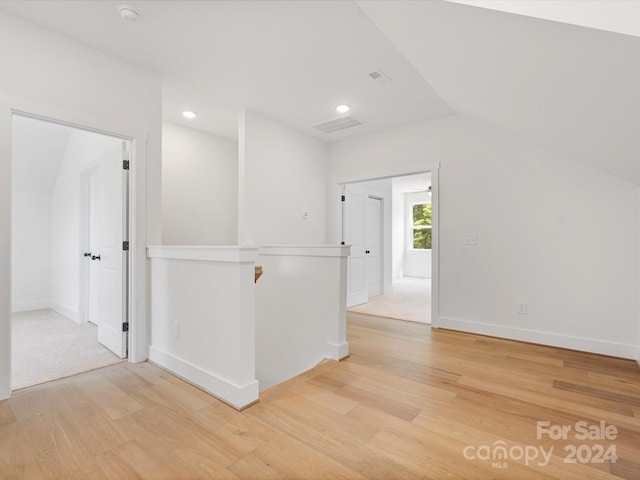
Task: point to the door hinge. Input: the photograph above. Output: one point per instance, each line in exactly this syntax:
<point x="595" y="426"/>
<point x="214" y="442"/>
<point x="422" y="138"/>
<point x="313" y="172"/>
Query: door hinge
<point x="125" y="245"/>
<point x="342" y="198"/>
<point x="125" y="327"/>
<point x="341" y="243"/>
<point x="125" y="164"/>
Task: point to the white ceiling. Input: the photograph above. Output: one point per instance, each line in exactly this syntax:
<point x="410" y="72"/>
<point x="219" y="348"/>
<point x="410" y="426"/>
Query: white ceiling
<point x="292" y="61"/>
<point x="572" y="89"/>
<point x="621" y="16"/>
<point x="419" y="182"/>
<point x="412" y="183"/>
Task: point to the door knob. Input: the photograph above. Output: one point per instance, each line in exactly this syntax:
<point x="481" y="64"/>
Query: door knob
<point x="87" y="254"/>
<point x="95" y="257"/>
<point x="367" y="251"/>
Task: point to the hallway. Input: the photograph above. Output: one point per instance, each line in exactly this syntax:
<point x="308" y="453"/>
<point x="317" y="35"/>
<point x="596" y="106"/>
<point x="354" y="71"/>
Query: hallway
<point x="410" y="300"/>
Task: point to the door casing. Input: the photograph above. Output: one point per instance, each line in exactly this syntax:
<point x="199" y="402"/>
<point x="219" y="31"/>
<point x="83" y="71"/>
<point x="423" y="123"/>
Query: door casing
<point x="433" y="169"/>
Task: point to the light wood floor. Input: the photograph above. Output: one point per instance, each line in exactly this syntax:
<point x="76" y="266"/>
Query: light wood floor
<point x="407" y="404"/>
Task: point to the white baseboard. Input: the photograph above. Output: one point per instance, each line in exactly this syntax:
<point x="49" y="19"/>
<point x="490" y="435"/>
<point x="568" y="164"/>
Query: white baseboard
<point x="66" y="311"/>
<point x="621" y="350"/>
<point x="46" y="304"/>
<point x="29" y="306"/>
<point x="337" y="352"/>
<point x="235" y="395"/>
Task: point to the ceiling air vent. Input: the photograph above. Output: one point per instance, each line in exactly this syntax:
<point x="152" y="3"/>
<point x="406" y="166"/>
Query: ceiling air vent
<point x="379" y="77"/>
<point x="338" y="124"/>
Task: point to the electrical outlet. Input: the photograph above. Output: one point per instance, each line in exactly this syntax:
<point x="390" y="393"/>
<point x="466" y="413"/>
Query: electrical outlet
<point x="305" y="214"/>
<point x="176" y="329"/>
<point x="522" y="308"/>
<point x="471" y="239"/>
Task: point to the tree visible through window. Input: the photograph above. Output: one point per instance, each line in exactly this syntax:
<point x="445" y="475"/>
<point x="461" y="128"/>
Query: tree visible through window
<point x="421" y="228"/>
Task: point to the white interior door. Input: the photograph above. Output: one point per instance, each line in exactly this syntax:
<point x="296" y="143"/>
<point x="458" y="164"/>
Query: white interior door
<point x="108" y="266"/>
<point x="354" y="208"/>
<point x="373" y="242"/>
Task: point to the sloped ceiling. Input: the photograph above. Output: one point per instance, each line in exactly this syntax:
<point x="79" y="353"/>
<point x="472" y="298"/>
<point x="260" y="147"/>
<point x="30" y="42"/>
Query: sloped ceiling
<point x="572" y="89"/>
<point x="38" y="151"/>
<point x="412" y="183"/>
<point x="621" y="16"/>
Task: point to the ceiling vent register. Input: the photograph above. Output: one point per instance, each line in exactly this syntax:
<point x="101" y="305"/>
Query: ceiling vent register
<point x="379" y="77"/>
<point x="338" y="124"/>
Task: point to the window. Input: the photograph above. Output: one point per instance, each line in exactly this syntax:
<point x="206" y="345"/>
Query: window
<point x="421" y="226"/>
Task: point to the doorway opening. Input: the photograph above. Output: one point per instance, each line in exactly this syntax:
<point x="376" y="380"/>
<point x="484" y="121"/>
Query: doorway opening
<point x="399" y="212"/>
<point x="70" y="262"/>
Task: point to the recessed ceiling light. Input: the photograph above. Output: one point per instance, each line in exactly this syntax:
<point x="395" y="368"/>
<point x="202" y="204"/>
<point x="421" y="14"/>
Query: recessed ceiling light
<point x="128" y="14"/>
<point x="189" y="114"/>
<point x="343" y="108"/>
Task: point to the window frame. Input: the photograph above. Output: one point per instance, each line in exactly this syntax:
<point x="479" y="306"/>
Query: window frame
<point x="410" y="227"/>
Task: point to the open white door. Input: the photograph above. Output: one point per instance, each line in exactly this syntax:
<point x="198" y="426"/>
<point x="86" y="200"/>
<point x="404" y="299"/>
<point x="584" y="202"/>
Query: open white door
<point x="110" y="256"/>
<point x="373" y="242"/>
<point x="354" y="206"/>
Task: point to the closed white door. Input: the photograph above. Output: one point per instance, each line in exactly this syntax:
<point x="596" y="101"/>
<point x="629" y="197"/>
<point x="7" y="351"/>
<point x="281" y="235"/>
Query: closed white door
<point x="354" y="207"/>
<point x="373" y="243"/>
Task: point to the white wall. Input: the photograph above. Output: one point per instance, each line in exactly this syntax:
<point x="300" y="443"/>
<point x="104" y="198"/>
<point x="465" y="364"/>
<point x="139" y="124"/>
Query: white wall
<point x="37" y="151"/>
<point x="209" y="293"/>
<point x="552" y="232"/>
<point x="281" y="174"/>
<point x="84" y="151"/>
<point x="416" y="263"/>
<point x="199" y="187"/>
<point x="31" y="255"/>
<point x="300" y="310"/>
<point x="49" y="75"/>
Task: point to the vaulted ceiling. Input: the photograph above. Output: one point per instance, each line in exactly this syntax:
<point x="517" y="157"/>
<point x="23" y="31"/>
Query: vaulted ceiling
<point x="572" y="89"/>
<point x="569" y="88"/>
<point x="38" y="151"/>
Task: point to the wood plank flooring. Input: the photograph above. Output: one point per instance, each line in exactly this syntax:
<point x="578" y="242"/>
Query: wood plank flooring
<point x="409" y="403"/>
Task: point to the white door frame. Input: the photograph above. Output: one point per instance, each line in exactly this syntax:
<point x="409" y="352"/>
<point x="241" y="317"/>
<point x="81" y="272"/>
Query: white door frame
<point x="144" y="222"/>
<point x="433" y="169"/>
<point x="136" y="268"/>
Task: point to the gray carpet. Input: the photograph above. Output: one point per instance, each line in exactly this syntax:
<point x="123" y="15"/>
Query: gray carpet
<point x="47" y="346"/>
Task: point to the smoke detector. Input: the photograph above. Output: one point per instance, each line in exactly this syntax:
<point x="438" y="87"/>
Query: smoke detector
<point x="128" y="14"/>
